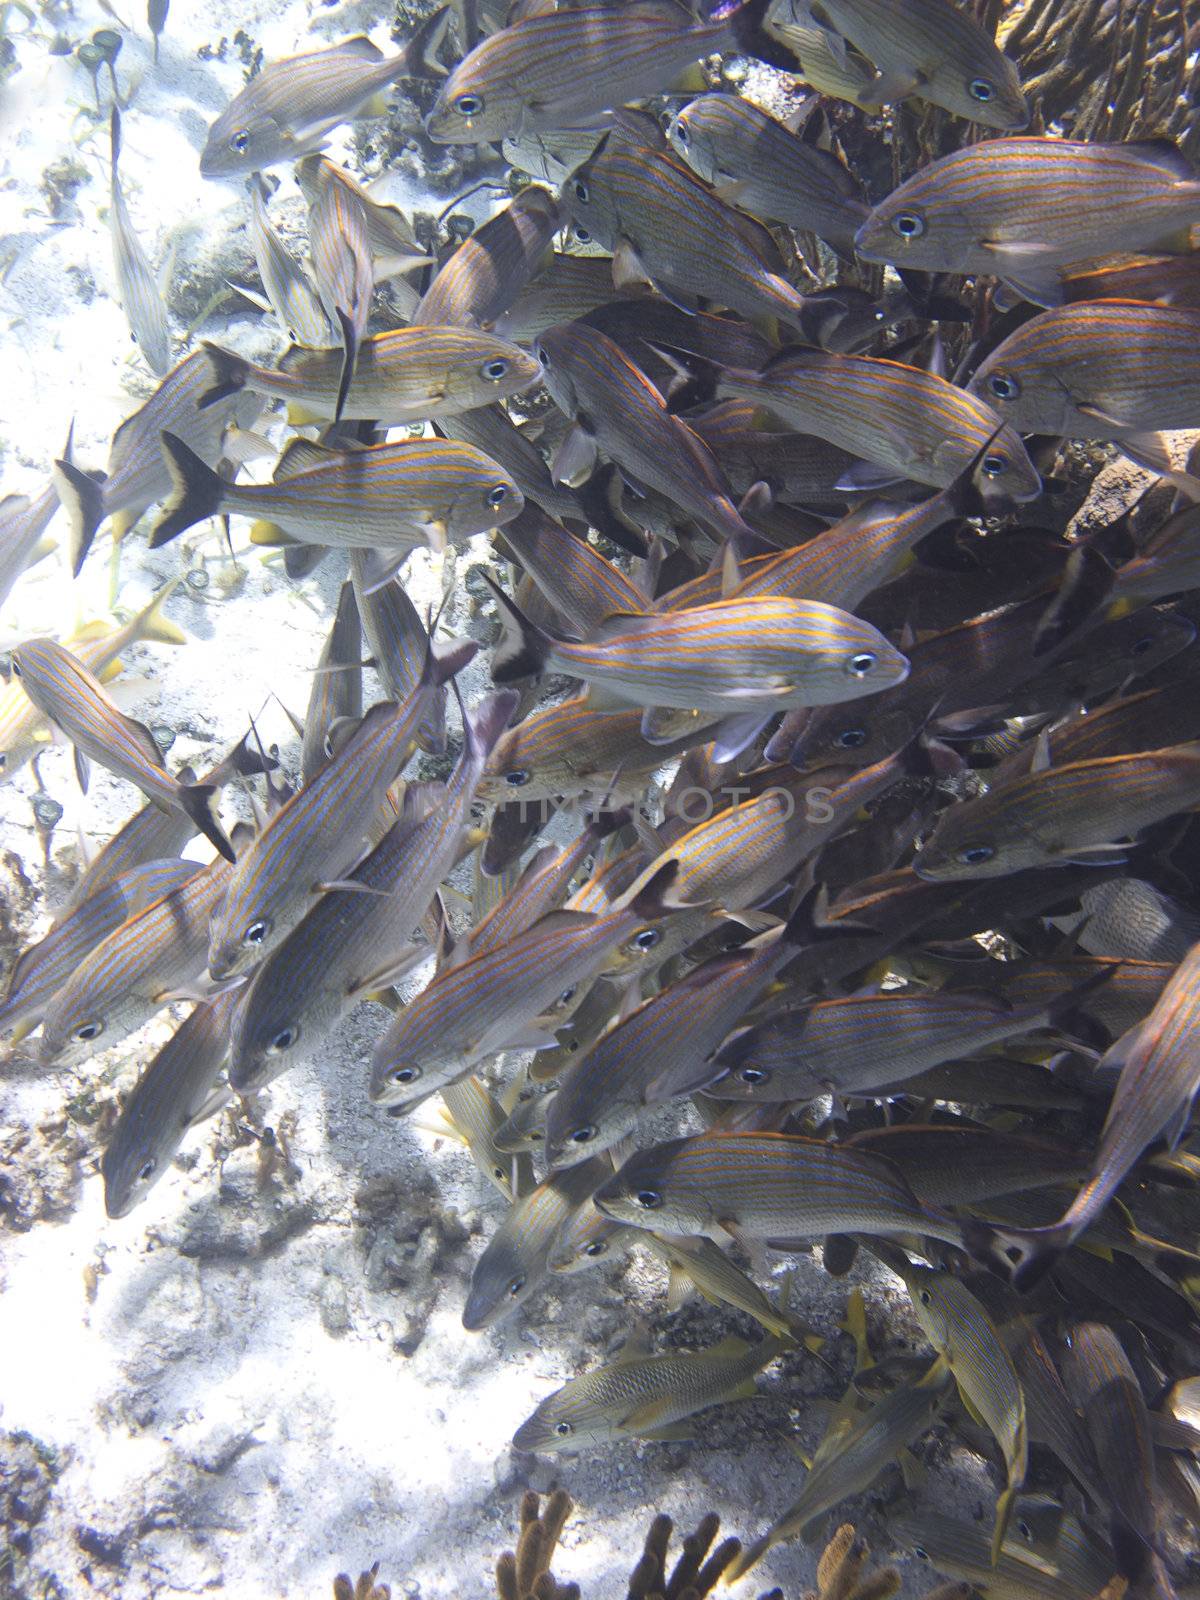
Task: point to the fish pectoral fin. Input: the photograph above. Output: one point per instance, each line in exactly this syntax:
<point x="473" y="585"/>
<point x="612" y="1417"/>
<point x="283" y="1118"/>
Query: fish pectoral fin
<point x="83" y="769"/>
<point x="1088" y="408"/>
<point x="388" y="974"/>
<point x="678" y="1432"/>
<point x="575" y="459"/>
<point x="736" y="734"/>
<point x="1039" y="288"/>
<point x="628" y="268"/>
<point x="380" y="567"/>
<point x="1094" y="855"/>
<point x="868" y="476"/>
<point x="889" y="87"/>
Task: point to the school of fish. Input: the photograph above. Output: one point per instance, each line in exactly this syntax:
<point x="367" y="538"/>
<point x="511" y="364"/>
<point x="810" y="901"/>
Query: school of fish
<point x="831" y="814"/>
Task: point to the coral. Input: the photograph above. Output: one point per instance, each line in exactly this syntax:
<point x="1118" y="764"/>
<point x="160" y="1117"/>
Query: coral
<point x="365" y="1589"/>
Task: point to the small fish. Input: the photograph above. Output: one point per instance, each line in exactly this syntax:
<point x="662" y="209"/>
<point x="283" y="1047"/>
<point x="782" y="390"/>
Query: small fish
<point x="766" y="1186"/>
<point x="491" y="1000"/>
<point x="344" y="272"/>
<point x="171" y="1093"/>
<point x="406" y="375"/>
<point x="736" y="656"/>
<point x="42" y="968"/>
<point x="759" y="165"/>
<point x="490" y="429"/>
<point x="358" y="938"/>
<point x="136" y="284"/>
<point x="62" y="687"/>
<point x="642" y="1396"/>
<point x="336" y="694"/>
<point x="905" y="422"/>
<point x="616" y="410"/>
<point x="963" y="1550"/>
<point x="387" y="499"/>
<point x="1109" y="369"/>
<point x="855" y="1451"/>
<point x="1153" y="1098"/>
<point x="932" y="49"/>
<point x="398" y="642"/>
<point x="663" y="226"/>
<point x="131" y="974"/>
<point x="489" y="269"/>
<point x="568" y="287"/>
<point x="476" y="1115"/>
<point x="393" y="244"/>
<point x="1077" y="812"/>
<point x="23" y="522"/>
<point x="1025" y="209"/>
<point x="799" y="470"/>
<point x="319" y="833"/>
<point x="137" y="474"/>
<point x="1132" y="918"/>
<point x="516" y="1260"/>
<point x="563" y="68"/>
<point x="287" y="109"/>
<point x="957" y="1163"/>
<point x="156" y="21"/>
<point x="825" y="61"/>
<point x="583" y="586"/>
<point x="290" y="293"/>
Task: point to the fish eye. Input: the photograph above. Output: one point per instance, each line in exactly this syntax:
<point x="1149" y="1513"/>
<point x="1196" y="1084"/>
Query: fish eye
<point x="563" y="1429"/>
<point x="1003" y="387"/>
<point x="283" y="1040"/>
<point x="908" y="224"/>
<point x="851" y="739"/>
<point x="926" y="1298"/>
<point x="648" y="1199"/>
<point x="1146" y="642"/>
<point x="861" y="664"/>
<point x="516" y="1285"/>
<point x="469" y="105"/>
<point x="566" y="996"/>
<point x="543" y="355"/>
<point x="497" y="497"/>
<point x="406" y="1074"/>
<point x="981" y="89"/>
<point x="256" y="932"/>
<point x="598" y="1247"/>
<point x="147" y="1170"/>
<point x="581" y="190"/>
<point x="920" y="1552"/>
<point x="517" y="778"/>
<point x="493" y="371"/>
<point x="993" y="466"/>
<point x="583" y="1135"/>
<point x="1025" y="1531"/>
<point x="582" y="235"/>
<point x="681" y="132"/>
<point x="976" y="854"/>
<point x="647" y="939"/>
<point x="240" y="142"/>
<point x="16" y="667"/>
<point x="87" y="1031"/>
<point x="753" y="1075"/>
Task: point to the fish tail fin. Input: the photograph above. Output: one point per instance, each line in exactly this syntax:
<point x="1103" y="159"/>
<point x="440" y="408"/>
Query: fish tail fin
<point x="350" y="357"/>
<point x="650" y="902"/>
<point x="196" y="800"/>
<point x="1023" y="1256"/>
<point x="417" y="58"/>
<point x="747" y="24"/>
<point x="150" y="622"/>
<point x="82" y="497"/>
<point x="486" y="724"/>
<point x="229" y="374"/>
<point x="243" y="762"/>
<point x="523" y="646"/>
<point x="197" y="493"/>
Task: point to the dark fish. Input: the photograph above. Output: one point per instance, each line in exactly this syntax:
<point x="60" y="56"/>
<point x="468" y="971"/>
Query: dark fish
<point x="489" y="269"/>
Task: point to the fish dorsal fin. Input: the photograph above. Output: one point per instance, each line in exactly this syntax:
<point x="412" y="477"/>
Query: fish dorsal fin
<point x="359" y="46"/>
<point x="731" y="1347"/>
<point x="1163" y="153"/>
<point x="1040" y="761"/>
<point x="636" y="1347"/>
<point x="300" y="455"/>
<point x="731" y="572"/>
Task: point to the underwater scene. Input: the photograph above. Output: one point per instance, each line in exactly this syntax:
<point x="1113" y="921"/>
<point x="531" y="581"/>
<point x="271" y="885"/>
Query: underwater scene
<point x="599" y="789"/>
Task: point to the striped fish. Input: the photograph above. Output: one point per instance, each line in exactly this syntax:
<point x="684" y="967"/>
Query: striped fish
<point x="665" y="227"/>
<point x="137" y="474"/>
<point x="516" y="1260"/>
<point x="1023" y="209"/>
<point x="909" y="423"/>
<point x="1157" y="1083"/>
<point x="798" y="469"/>
<point x="757" y="164"/>
<point x="583" y="586"/>
<point x="42" y="968"/>
<point x="963" y="1550"/>
<point x="133" y="972"/>
<point x="823" y="60"/>
<point x="22" y="524"/>
<point x="172" y="1092"/>
<point x="766" y="1186"/>
<point x="387" y="499"/>
<point x="344" y="272"/>
<point x="932" y="49"/>
<point x="336" y="694"/>
<point x="290" y="294"/>
<point x="490" y="429"/>
<point x="489" y="1001"/>
<point x="286" y="110"/>
<point x="63" y="689"/>
<point x="568" y="287"/>
<point x="398" y="642"/>
<point x="475" y="1115"/>
<point x="757" y="655"/>
<point x="488" y="270"/>
<point x="953" y="1164"/>
<point x="1051" y="1417"/>
<point x="1107" y="369"/>
<point x="1054" y="814"/>
<point x="402" y="376"/>
<point x="137" y="286"/>
<point x="357" y="939"/>
<point x="318" y="834"/>
<point x="645" y="1396"/>
<point x="617" y="411"/>
<point x="389" y="233"/>
<point x="563" y="68"/>
<point x="1130" y="918"/>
